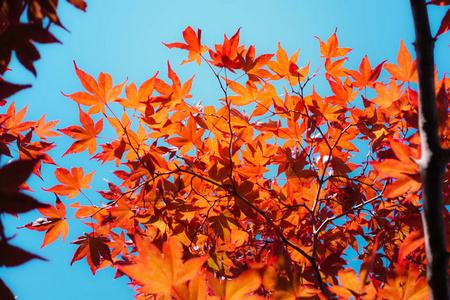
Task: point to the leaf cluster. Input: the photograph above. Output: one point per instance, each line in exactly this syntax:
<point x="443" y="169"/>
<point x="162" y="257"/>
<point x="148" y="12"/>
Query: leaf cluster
<point x="214" y="202"/>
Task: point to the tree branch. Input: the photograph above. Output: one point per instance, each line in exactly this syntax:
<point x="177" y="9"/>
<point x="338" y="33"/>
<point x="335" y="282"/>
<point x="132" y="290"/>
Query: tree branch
<point x="433" y="159"/>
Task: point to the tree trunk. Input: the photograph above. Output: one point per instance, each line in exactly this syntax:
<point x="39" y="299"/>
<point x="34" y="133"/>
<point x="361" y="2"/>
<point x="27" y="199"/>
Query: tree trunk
<point x="433" y="159"/>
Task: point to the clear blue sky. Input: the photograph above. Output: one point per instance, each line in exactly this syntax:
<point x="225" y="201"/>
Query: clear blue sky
<point x="123" y="38"/>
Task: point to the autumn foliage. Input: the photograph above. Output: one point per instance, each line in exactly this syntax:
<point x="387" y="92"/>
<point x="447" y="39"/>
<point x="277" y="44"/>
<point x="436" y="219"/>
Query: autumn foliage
<point x="259" y="196"/>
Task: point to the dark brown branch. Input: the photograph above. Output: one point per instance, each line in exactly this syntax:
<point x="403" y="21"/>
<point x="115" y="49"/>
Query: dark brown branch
<point x="433" y="158"/>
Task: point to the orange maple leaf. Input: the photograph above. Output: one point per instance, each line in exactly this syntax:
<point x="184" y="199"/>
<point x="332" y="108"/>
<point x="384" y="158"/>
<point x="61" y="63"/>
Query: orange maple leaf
<point x="136" y="98"/>
<point x="335" y="70"/>
<point x="237" y="288"/>
<point x="54" y="222"/>
<point x="406" y="69"/>
<point x="404" y="283"/>
<point x="193" y="45"/>
<point x="72" y="181"/>
<point x="331" y="48"/>
<point x="387" y="96"/>
<point x="246" y="95"/>
<point x="86" y="136"/>
<point x="343" y="93"/>
<point x="284" y="66"/>
<point x="413" y="241"/>
<point x="12" y="122"/>
<point x="189" y="136"/>
<point x="322" y="109"/>
<point x="352" y="286"/>
<point x="164" y="272"/>
<point x="43" y="129"/>
<point x="122" y="214"/>
<point x="99" y="93"/>
<point x="176" y="92"/>
<point x="403" y="170"/>
<point x="366" y="76"/>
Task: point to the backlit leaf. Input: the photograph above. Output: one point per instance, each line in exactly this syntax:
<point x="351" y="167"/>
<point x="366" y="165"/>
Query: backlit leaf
<point x="193" y="45"/>
<point x="85" y="136"/>
<point x="72" y="182"/>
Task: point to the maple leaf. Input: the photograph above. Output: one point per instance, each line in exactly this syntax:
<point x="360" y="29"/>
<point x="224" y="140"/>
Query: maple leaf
<point x="445" y="24"/>
<point x="176" y="92"/>
<point x="12" y="122"/>
<point x="404" y="283"/>
<point x="403" y="169"/>
<point x="54" y="223"/>
<point x="343" y="93"/>
<point x="387" y="96"/>
<point x="189" y="136"/>
<point x="350" y="286"/>
<point x="99" y="93"/>
<point x="111" y="151"/>
<point x="35" y="150"/>
<point x="335" y="70"/>
<point x="43" y="129"/>
<point x="246" y="95"/>
<point x="237" y="288"/>
<point x="123" y="214"/>
<point x="122" y="126"/>
<point x="93" y="248"/>
<point x="193" y="45"/>
<point x="162" y="272"/>
<point x="72" y="182"/>
<point x="287" y="68"/>
<point x="252" y="67"/>
<point x="366" y="76"/>
<point x="226" y="55"/>
<point x="406" y="69"/>
<point x="136" y="98"/>
<point x="321" y="107"/>
<point x="85" y="135"/>
<point x="331" y="48"/>
<point x="413" y="241"/>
